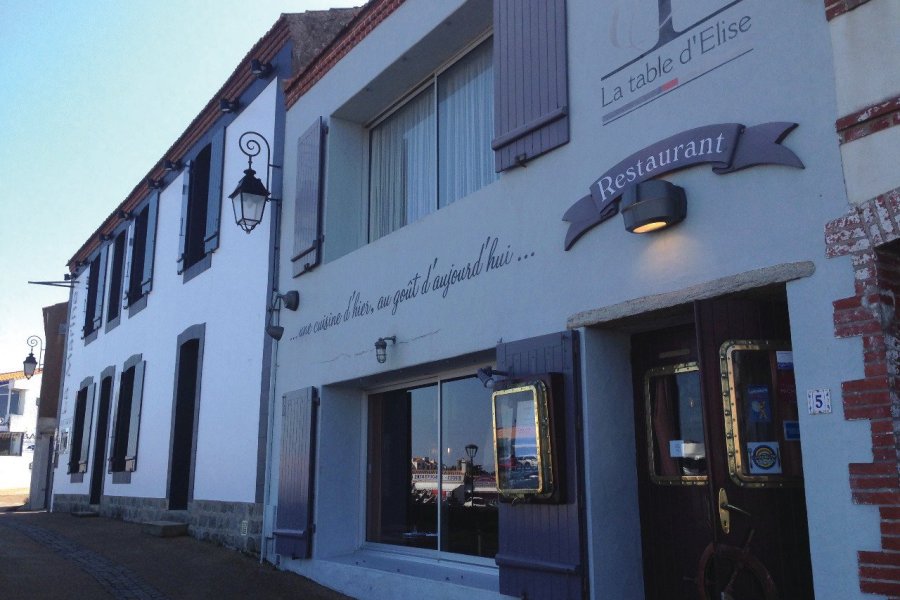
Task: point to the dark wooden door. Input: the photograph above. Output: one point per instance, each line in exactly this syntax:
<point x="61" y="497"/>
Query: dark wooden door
<point x="720" y="482"/>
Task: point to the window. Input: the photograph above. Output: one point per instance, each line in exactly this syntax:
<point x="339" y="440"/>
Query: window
<point x="123" y="451"/>
<point x="11" y="443"/>
<point x="115" y="277"/>
<point x="93" y="309"/>
<point x="674" y="408"/>
<point x="436" y="148"/>
<point x="4" y="403"/>
<point x="143" y="245"/>
<point x="81" y="428"/>
<point x="431" y="468"/>
<point x="16" y="406"/>
<point x="201" y="208"/>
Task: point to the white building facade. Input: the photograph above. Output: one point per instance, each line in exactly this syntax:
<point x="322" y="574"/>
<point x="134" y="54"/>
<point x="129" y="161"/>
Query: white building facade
<point x="713" y="406"/>
<point x="19" y="399"/>
<point x="163" y="413"/>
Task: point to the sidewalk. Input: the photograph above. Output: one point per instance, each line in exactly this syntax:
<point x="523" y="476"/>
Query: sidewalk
<point x="59" y="556"/>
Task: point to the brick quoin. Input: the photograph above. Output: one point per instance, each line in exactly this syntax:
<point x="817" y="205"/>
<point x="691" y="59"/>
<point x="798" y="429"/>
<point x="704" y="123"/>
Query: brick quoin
<point x="870" y="235"/>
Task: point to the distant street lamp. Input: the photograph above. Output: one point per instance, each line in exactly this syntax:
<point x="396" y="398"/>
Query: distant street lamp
<point x="30" y="364"/>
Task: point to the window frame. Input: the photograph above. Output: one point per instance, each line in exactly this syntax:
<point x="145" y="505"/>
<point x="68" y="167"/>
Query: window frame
<point x="201" y="219"/>
<point x="387" y="548"/>
<point x="430" y="82"/>
<point x="95" y="292"/>
<point x="116" y="261"/>
<point x="137" y="285"/>
<point x="125" y="440"/>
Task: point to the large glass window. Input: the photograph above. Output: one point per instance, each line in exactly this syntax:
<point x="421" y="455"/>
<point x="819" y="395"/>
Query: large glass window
<point x="436" y="148"/>
<point x="431" y="461"/>
<point x="11" y="443"/>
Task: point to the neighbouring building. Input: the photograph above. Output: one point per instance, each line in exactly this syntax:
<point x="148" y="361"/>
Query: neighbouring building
<point x="45" y="439"/>
<point x="164" y="403"/>
<point x="19" y="399"/>
<point x="493" y="386"/>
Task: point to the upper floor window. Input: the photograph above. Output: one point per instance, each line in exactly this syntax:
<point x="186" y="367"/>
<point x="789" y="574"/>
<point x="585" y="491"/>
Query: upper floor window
<point x="201" y="207"/>
<point x="93" y="307"/>
<point x="436" y="148"/>
<point x="115" y="277"/>
<point x="126" y="426"/>
<point x="143" y="245"/>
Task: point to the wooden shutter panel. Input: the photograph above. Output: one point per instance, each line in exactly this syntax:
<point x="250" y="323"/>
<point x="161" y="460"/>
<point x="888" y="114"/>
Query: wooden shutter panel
<point x="149" y="245"/>
<point x="115" y="460"/>
<point x="185" y="203"/>
<point x="134" y="423"/>
<point x="540" y="549"/>
<point x="214" y="195"/>
<point x="294" y="520"/>
<point x="86" y="429"/>
<point x="100" y="287"/>
<point x="308" y="201"/>
<point x="531" y="102"/>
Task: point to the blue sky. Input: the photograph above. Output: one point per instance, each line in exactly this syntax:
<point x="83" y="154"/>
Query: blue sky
<point x="92" y="93"/>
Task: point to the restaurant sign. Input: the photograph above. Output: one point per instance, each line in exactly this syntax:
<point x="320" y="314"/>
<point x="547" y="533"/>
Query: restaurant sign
<point x="729" y="147"/>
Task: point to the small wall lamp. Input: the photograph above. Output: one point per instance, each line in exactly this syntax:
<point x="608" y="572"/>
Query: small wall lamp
<point x="652" y="205"/>
<point x="171" y="165"/>
<point x="487" y="376"/>
<point x="229" y="106"/>
<point x="289" y="300"/>
<point x="260" y="69"/>
<point x="381" y="347"/>
<point x="250" y="196"/>
<point x="154" y="184"/>
<point x="30" y="364"/>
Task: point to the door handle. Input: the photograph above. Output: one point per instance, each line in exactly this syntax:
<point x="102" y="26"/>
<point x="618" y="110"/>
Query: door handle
<point x="725" y="509"/>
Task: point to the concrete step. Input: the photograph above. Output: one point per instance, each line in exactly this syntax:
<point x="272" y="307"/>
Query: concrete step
<point x="85" y="513"/>
<point x="165" y="528"/>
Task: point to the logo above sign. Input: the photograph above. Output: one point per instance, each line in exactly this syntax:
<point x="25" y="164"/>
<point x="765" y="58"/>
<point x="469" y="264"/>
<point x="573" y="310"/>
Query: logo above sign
<point x="729" y="147"/>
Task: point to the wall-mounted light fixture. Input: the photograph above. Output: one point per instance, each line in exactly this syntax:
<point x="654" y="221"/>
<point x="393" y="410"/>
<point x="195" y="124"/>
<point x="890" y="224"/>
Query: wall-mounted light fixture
<point x="289" y="300"/>
<point x="229" y="106"/>
<point x="171" y="166"/>
<point x="124" y="215"/>
<point x="260" y="69"/>
<point x="31" y="364"/>
<point x="652" y="205"/>
<point x="250" y="196"/>
<point x="488" y="376"/>
<point x="381" y="347"/>
<point x="154" y="184"/>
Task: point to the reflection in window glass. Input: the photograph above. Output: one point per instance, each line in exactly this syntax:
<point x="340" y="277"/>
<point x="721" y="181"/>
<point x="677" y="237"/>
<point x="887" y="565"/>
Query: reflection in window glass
<point x="675" y="413"/>
<point x="431" y="468"/>
<point x="517" y="441"/>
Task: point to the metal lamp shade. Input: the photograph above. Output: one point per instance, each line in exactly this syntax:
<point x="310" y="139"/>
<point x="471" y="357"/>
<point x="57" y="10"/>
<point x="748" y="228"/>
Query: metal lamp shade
<point x="652" y="205"/>
<point x="29" y="365"/>
<point x="249" y="201"/>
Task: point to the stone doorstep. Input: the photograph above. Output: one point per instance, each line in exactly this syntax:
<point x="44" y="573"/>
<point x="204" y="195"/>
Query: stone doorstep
<point x="165" y="528"/>
<point x="85" y="513"/>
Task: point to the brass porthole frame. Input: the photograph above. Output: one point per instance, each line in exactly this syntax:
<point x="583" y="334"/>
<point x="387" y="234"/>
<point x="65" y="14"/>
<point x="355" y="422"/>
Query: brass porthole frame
<point x="687" y="367"/>
<point x="733" y="446"/>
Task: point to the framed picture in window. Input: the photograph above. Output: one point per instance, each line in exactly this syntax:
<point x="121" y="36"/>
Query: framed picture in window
<point x="523" y="441"/>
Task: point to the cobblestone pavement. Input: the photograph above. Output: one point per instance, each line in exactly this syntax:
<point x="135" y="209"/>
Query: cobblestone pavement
<point x="118" y="581"/>
<point x="61" y="557"/>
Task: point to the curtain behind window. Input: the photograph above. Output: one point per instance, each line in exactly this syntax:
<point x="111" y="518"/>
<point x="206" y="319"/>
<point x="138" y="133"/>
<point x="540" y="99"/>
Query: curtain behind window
<point x="466" y="125"/>
<point x="402" y="187"/>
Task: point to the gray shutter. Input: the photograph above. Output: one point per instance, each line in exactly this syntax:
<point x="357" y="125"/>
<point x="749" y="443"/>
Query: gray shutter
<point x="150" y="245"/>
<point x="114" y="462"/>
<point x="185" y="203"/>
<point x="86" y="429"/>
<point x="100" y="287"/>
<point x="294" y="521"/>
<point x="214" y="196"/>
<point x="134" y="425"/>
<point x="531" y="102"/>
<point x="308" y="202"/>
<point x="540" y="550"/>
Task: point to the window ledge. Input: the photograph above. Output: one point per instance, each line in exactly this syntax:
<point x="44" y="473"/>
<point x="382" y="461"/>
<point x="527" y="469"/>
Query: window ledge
<point x="90" y="337"/>
<point x="197" y="268"/>
<point x="137" y="306"/>
<point x="110" y="325"/>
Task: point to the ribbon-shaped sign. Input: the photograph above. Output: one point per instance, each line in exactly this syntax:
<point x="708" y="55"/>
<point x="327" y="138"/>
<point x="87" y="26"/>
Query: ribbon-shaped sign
<point x="729" y="147"/>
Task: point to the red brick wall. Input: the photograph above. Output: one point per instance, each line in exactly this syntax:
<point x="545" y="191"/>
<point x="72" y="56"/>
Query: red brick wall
<point x="870" y="234"/>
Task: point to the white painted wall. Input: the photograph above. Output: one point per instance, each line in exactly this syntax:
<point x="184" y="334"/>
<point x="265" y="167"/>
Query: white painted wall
<point x="759" y="217"/>
<point x="230" y="298"/>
